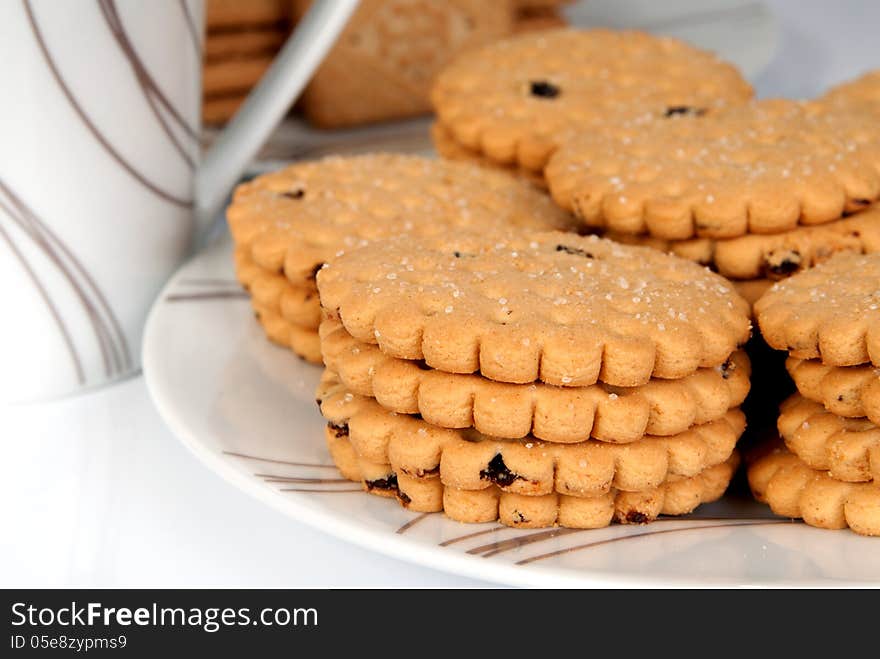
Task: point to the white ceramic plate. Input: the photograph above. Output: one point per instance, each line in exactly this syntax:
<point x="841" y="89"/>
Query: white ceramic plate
<point x="246" y="408"/>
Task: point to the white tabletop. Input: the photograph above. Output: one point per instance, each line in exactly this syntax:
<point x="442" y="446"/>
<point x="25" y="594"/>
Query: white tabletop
<point x="97" y="492"/>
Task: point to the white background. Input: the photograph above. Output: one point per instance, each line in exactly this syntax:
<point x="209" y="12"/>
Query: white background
<point x="95" y="491"/>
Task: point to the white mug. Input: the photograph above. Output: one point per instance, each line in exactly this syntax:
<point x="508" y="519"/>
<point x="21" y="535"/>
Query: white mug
<point x="102" y="187"/>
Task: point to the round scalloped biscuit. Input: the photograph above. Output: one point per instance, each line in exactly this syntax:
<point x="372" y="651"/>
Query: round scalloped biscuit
<point x="677" y="496"/>
<point x="448" y="148"/>
<point x="863" y="93"/>
<point x="773" y="256"/>
<point x="300" y="217"/>
<point x="466" y="459"/>
<point x="792" y="489"/>
<point x="305" y="343"/>
<point x="519" y="307"/>
<point x="849" y="391"/>
<point x="848" y="448"/>
<point x="554" y="414"/>
<point x="760" y="168"/>
<point x="516" y="100"/>
<point x="830" y="312"/>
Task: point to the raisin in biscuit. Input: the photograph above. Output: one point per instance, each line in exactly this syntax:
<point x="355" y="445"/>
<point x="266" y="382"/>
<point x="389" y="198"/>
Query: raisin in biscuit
<point x="519" y="307"/>
<point x="831" y="312"/>
<point x="863" y="93"/>
<point x="780" y="479"/>
<point x="679" y="495"/>
<point x="554" y="414"/>
<point x="849" y="391"/>
<point x="761" y="168"/>
<point x="773" y="256"/>
<point x="298" y="218"/>
<point x="848" y="448"/>
<point x="516" y="100"/>
<point x="466" y="459"/>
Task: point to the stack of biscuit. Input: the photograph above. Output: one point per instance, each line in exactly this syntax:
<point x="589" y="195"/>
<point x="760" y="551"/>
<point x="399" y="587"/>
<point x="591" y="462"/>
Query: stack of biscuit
<point x="289" y="223"/>
<point x="826" y="469"/>
<point x="241" y="40"/>
<point x="536" y="379"/>
<point x="758" y="192"/>
<point x="651" y="141"/>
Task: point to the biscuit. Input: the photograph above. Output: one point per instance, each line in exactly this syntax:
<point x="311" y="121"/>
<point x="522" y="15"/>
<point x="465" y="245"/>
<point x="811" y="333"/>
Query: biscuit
<point x="831" y="312"/>
<point x="303" y="342"/>
<point x="763" y="168"/>
<point x="220" y="109"/>
<point x="516" y="100"/>
<point x="519" y="307"/>
<point x="296" y="303"/>
<point x="539" y="5"/>
<point x="848" y="448"/>
<point x="554" y="414"/>
<point x="468" y="460"/>
<point x="298" y="218"/>
<point x="243" y="43"/>
<point x="231" y="76"/>
<point x="849" y="391"/>
<point x="447" y="147"/>
<point x="751" y="290"/>
<point x="780" y="479"/>
<point x="677" y="496"/>
<point x="774" y="256"/>
<point x="537" y="19"/>
<point x="396" y="47"/>
<point x="226" y="14"/>
<point x="863" y="93"/>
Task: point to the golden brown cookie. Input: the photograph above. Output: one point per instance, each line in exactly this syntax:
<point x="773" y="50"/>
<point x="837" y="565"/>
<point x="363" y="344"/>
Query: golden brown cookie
<point x="850" y="391"/>
<point x="679" y="495"/>
<point x="232" y="14"/>
<point x="752" y="289"/>
<point x="396" y="47"/>
<point x="831" y="312"/>
<point x="792" y="489"/>
<point x="863" y="93"/>
<point x="466" y="459"/>
<point x="554" y="414"/>
<point x="761" y="168"/>
<point x="219" y="109"/>
<point x="848" y="448"/>
<point x="303" y="342"/>
<point x="244" y="43"/>
<point x="227" y="77"/>
<point x="538" y="19"/>
<point x="774" y="256"/>
<point x="299" y="218"/>
<point x="447" y="147"/>
<point x="516" y="100"/>
<point x="519" y="307"/>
